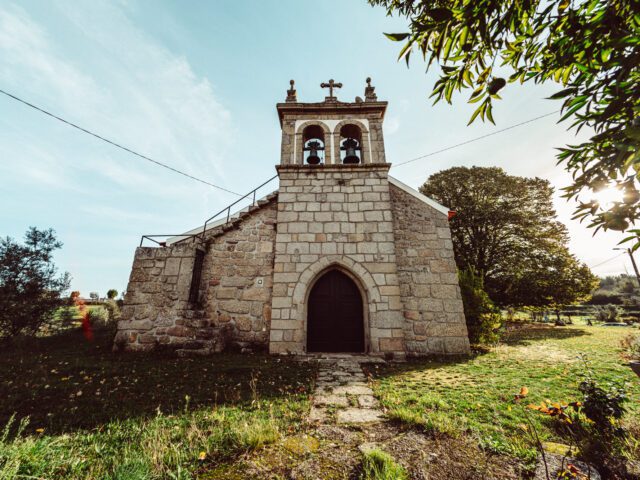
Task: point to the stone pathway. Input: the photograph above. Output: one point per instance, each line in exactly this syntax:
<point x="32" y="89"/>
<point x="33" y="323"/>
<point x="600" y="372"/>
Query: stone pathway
<point x="342" y="393"/>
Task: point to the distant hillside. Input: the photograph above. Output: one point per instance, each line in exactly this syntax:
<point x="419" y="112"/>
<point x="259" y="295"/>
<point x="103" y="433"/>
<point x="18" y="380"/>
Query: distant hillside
<point x="617" y="290"/>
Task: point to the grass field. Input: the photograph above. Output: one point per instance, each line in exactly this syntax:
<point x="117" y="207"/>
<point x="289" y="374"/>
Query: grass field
<point x="475" y="396"/>
<point x="95" y="414"/>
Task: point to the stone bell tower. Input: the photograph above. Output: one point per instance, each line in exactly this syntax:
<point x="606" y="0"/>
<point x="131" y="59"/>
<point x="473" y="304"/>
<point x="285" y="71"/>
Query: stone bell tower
<point x="335" y="214"/>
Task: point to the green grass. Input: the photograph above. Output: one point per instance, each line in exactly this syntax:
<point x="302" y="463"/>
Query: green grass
<point x="85" y="412"/>
<point x="379" y="465"/>
<point x="476" y="395"/>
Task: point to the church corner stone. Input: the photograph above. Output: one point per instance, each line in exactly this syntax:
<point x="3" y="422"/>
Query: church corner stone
<point x="254" y="283"/>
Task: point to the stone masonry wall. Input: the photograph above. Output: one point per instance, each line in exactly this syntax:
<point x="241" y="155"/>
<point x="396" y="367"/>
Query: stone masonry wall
<point x="434" y="318"/>
<point x="156" y="310"/>
<point x="237" y="278"/>
<point x="335" y="216"/>
<point x="234" y="303"/>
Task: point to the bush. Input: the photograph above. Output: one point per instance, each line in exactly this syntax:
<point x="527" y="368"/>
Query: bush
<point x="602" y="437"/>
<point x="631" y="346"/>
<point x="113" y="310"/>
<point x="98" y="317"/>
<point x="607" y="314"/>
<point x="484" y="320"/>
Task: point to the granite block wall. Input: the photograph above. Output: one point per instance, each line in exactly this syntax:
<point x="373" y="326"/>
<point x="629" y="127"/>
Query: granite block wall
<point x="335" y="216"/>
<point x="434" y="321"/>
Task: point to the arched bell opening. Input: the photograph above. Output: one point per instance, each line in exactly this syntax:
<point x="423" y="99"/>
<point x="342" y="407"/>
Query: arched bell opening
<point x="351" y="144"/>
<point x="335" y="314"/>
<point x="313" y="145"/>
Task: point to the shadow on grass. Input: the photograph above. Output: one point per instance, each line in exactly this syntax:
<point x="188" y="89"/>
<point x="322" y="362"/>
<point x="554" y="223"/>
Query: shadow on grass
<point x="65" y="383"/>
<point x="530" y="333"/>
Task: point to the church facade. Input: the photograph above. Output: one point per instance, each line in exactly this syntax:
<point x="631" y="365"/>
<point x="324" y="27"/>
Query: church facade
<point x="341" y="258"/>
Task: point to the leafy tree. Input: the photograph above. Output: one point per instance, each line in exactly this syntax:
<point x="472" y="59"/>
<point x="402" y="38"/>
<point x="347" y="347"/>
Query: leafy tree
<point x="505" y="228"/>
<point x="590" y="48"/>
<point x="483" y="317"/>
<point x="605" y="299"/>
<point x="94" y="296"/>
<point x="112" y="293"/>
<point x="628" y="287"/>
<point x="30" y="289"/>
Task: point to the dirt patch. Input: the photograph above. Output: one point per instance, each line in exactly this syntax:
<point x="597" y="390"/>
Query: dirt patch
<point x="338" y="456"/>
<point x="447" y="458"/>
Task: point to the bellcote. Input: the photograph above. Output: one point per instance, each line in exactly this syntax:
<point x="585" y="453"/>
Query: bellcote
<point x="332" y="132"/>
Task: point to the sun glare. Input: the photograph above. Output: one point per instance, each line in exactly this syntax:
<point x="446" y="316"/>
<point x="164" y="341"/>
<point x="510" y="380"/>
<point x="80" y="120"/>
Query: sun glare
<point x="608" y="196"/>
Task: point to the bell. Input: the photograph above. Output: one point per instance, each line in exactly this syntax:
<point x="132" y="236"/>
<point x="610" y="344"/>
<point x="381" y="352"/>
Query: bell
<point x="350" y="145"/>
<point x="312" y="148"/>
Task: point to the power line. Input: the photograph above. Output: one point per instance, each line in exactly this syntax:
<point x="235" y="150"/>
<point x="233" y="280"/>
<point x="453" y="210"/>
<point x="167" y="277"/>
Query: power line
<point x="118" y="145"/>
<point x="607" y="261"/>
<point x="475" y="139"/>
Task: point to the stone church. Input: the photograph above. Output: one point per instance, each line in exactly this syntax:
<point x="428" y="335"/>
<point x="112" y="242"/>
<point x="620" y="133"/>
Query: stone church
<point x="341" y="258"/>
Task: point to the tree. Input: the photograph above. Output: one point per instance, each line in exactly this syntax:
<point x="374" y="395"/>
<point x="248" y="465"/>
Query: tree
<point x="483" y="317"/>
<point x="505" y="228"/>
<point x="94" y="296"/>
<point x="30" y="289"/>
<point x="112" y="293"/>
<point x="591" y="48"/>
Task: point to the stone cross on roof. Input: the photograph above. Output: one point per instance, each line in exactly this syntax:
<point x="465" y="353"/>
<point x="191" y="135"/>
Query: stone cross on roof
<point x="331" y="85"/>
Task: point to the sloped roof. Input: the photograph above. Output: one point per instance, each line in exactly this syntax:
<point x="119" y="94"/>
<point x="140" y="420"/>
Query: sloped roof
<point x="429" y="201"/>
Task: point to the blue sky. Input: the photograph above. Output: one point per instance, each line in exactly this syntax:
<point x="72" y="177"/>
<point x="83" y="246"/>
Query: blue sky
<point x="195" y="85"/>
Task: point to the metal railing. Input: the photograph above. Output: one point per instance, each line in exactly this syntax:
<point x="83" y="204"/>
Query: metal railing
<point x="227" y="210"/>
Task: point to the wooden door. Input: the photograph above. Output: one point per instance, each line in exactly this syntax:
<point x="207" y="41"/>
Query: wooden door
<point x="334" y="315"/>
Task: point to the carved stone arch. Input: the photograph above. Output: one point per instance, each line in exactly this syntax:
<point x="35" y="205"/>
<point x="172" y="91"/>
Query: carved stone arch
<point x="354" y="270"/>
<point x="365" y="151"/>
<point x="299" y="142"/>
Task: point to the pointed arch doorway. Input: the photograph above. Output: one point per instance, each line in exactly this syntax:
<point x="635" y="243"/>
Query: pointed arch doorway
<point x="335" y="321"/>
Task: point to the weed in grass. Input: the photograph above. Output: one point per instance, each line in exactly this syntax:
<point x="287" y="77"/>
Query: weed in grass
<point x="378" y="465"/>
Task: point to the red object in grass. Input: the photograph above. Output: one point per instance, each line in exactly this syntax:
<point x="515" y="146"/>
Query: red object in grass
<point x="84" y="313"/>
<point x="86" y="328"/>
<point x="451" y="214"/>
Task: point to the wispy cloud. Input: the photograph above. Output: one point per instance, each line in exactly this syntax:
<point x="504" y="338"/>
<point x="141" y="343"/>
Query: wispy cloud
<point x="129" y="88"/>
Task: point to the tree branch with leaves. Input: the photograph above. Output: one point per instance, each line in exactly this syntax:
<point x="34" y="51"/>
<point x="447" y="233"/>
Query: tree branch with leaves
<point x="591" y="49"/>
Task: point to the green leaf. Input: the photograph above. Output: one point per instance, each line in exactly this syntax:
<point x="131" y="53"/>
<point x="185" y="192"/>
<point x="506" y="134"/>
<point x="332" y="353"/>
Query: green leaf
<point x="396" y="37"/>
<point x="489" y="115"/>
<point x="405" y="50"/>
<point x="562" y="93"/>
<point x="439" y="14"/>
<point x="447" y="48"/>
<point x="475" y="114"/>
<point x="464" y="33"/>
